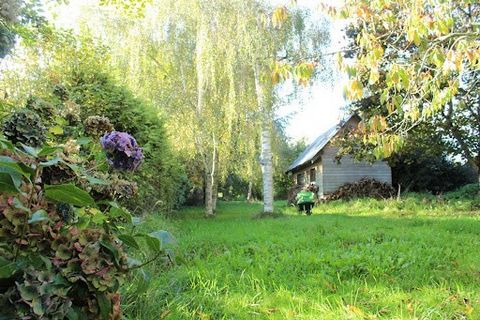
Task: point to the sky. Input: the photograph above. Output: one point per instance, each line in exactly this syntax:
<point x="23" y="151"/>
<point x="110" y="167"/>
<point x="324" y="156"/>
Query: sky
<point x="318" y="106"/>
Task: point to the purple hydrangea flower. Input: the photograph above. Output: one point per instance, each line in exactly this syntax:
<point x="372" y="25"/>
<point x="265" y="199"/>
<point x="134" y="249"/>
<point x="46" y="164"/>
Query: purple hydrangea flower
<point x="123" y="152"/>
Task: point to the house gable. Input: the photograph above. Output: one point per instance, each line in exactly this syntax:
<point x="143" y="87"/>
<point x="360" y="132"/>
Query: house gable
<point x="313" y="152"/>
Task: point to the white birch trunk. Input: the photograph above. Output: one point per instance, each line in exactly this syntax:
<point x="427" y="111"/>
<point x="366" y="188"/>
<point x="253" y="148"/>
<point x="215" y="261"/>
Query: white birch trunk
<point x="266" y="144"/>
<point x="267" y="168"/>
<point x="209" y="157"/>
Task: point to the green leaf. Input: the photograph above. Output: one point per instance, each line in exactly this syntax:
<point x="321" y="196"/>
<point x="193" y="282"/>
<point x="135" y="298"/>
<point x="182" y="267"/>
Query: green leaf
<point x="9" y="183"/>
<point x="111" y="249"/>
<point x="50" y="163"/>
<point x="27" y="169"/>
<point x="9" y="163"/>
<point x="165" y="237"/>
<point x="129" y="241"/>
<point x="47" y="263"/>
<point x="30" y="150"/>
<point x="38" y="308"/>
<point x="19" y="205"/>
<point x="27" y="292"/>
<point x="38" y="216"/>
<point x="105" y="306"/>
<point x="83" y="222"/>
<point x="98" y="217"/>
<point x="63" y="252"/>
<point x="143" y="281"/>
<point x="15" y="176"/>
<point x="69" y="193"/>
<point x="93" y="180"/>
<point x="47" y="151"/>
<point x="7" y="268"/>
<point x="72" y="314"/>
<point x="116" y="212"/>
<point x="153" y="243"/>
<point x="56" y="130"/>
<point x="5" y="144"/>
<point x="83" y="141"/>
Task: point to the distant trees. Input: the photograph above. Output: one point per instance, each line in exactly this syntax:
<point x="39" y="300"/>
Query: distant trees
<point x="211" y="66"/>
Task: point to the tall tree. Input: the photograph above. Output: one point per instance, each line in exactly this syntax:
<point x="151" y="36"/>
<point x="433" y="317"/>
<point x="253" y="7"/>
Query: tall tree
<point x="275" y="37"/>
<point x="197" y="73"/>
<point x="203" y="62"/>
<point x="416" y="62"/>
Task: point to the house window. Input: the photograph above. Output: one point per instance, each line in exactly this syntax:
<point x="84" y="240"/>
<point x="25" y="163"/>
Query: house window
<point x="300" y="178"/>
<point x="313" y="175"/>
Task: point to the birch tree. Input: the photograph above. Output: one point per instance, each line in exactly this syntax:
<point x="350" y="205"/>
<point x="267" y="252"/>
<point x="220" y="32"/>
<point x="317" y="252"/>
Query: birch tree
<point x="211" y="66"/>
<point x="276" y="34"/>
<point x="200" y="78"/>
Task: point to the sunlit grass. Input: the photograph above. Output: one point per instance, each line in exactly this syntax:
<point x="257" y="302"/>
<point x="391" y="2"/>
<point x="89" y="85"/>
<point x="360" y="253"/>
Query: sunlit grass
<point x="350" y="260"/>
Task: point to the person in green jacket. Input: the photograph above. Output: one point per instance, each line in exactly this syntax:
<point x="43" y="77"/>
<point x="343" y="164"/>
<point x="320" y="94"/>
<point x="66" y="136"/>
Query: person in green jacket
<point x="305" y="200"/>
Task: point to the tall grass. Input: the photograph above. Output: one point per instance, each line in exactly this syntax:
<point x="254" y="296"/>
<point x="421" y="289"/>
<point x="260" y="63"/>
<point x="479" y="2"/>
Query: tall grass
<point x="414" y="259"/>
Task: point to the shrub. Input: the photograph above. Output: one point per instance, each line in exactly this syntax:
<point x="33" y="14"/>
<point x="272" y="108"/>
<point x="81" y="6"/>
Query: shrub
<point x="469" y="191"/>
<point x="25" y="126"/>
<point x="62" y="254"/>
<point x="161" y="175"/>
<point x="97" y="126"/>
<point x="420" y="172"/>
<point x="43" y="109"/>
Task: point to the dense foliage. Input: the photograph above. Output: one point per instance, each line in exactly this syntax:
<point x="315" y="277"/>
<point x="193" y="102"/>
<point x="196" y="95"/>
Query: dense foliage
<point x="62" y="253"/>
<point x="415" y="63"/>
<point x="420" y="172"/>
<point x="24" y="126"/>
<point x="161" y="175"/>
<point x="19" y="18"/>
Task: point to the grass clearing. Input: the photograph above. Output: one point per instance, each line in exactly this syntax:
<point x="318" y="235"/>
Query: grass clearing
<point x="383" y="260"/>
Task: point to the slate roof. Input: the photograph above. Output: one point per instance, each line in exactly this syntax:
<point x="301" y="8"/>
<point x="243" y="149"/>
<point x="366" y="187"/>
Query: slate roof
<point x="317" y="145"/>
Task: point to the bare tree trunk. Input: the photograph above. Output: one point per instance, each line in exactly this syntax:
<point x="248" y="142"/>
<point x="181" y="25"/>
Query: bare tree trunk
<point x="266" y="143"/>
<point x="210" y="173"/>
<point x="477" y="168"/>
<point x="267" y="169"/>
<point x="208" y="195"/>
<point x="215" y="196"/>
<point x="249" y="192"/>
<point x="476" y="165"/>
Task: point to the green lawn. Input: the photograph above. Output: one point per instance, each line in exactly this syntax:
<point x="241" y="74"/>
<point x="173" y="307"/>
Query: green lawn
<point x="354" y="260"/>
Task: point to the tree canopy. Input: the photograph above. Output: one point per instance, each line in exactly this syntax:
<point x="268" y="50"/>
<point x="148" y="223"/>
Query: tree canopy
<point x="414" y="62"/>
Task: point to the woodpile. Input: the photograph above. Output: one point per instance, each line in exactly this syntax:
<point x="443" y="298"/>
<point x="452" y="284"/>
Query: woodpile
<point x="292" y="193"/>
<point x="364" y="188"/>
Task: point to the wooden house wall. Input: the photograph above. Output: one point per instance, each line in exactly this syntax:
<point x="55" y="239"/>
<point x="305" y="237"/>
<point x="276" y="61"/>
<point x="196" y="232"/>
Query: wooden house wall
<point x="349" y="170"/>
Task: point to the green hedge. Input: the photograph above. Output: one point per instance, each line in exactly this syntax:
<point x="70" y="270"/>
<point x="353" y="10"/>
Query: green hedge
<point x="161" y="176"/>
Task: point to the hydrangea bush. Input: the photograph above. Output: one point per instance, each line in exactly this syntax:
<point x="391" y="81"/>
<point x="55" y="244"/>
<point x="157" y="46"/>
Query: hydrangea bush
<point x="25" y="126"/>
<point x="64" y="255"/>
<point x="97" y="126"/>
